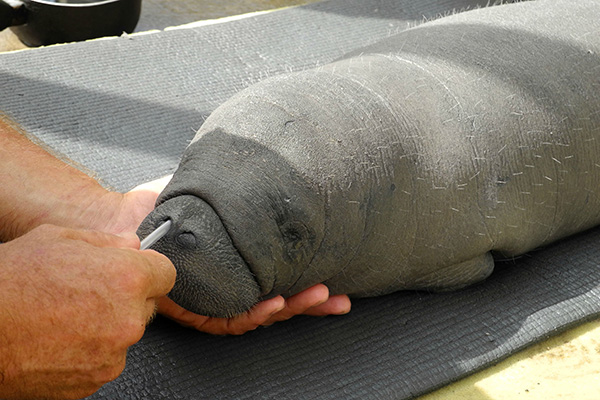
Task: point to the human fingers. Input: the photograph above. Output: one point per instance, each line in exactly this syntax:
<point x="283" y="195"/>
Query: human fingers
<point x="300" y="303"/>
<point x="138" y="203"/>
<point x="96" y="238"/>
<point x="314" y="301"/>
<point x="160" y="271"/>
<point x="335" y="305"/>
<point x="170" y="309"/>
<point x="247" y="321"/>
<point x="237" y="325"/>
<point x="156" y="273"/>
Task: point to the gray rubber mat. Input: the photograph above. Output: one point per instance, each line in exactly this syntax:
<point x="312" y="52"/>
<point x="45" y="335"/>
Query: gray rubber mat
<point x="161" y="14"/>
<point x="126" y="108"/>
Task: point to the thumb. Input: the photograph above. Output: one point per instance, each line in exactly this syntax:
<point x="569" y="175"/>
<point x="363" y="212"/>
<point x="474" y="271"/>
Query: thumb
<point x="131" y="238"/>
<point x="102" y="239"/>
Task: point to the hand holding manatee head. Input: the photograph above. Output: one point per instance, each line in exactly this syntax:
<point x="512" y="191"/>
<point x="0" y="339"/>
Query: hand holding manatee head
<point x="402" y="166"/>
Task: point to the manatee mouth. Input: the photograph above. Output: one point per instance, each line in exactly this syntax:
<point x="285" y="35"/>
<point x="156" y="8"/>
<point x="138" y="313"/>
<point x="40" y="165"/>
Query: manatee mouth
<point x="212" y="277"/>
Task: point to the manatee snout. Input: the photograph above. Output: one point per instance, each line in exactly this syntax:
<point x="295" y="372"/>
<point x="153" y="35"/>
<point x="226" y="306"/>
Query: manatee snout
<point x="212" y="277"/>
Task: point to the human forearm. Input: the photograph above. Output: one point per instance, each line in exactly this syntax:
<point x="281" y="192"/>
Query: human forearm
<point x="39" y="188"/>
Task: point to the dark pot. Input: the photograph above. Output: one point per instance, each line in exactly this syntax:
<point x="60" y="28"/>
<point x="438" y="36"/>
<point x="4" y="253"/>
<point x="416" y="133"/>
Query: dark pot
<point x="44" y="22"/>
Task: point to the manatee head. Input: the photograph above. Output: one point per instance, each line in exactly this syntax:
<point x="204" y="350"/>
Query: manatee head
<point x="212" y="278"/>
<point x="247" y="225"/>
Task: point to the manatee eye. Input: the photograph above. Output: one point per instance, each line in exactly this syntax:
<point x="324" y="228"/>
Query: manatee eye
<point x="294" y="232"/>
<point x="298" y="240"/>
<point x="186" y="239"/>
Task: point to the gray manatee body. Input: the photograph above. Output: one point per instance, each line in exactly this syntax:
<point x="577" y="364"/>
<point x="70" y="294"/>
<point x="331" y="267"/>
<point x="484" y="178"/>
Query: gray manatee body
<point x="405" y="165"/>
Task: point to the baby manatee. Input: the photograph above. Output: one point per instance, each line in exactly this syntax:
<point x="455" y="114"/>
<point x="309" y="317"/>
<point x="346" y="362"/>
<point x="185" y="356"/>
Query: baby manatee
<point x="405" y="165"/>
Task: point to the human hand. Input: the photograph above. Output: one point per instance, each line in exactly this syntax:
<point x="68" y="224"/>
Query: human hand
<point x="71" y="304"/>
<point x="133" y="207"/>
<point x="313" y="301"/>
<point x="127" y="210"/>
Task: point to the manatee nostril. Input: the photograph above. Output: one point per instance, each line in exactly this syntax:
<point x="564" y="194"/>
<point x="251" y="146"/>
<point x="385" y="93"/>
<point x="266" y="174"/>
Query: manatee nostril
<point x="161" y="221"/>
<point x="186" y="239"/>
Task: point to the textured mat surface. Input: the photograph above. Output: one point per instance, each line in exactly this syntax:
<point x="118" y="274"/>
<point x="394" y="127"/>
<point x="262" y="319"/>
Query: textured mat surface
<point x="161" y="14"/>
<point x="127" y="107"/>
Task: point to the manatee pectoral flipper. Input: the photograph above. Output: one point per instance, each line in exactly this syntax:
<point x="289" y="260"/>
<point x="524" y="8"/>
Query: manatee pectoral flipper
<point x="458" y="276"/>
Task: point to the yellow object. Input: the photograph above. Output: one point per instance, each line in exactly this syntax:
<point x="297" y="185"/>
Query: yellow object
<point x="566" y="366"/>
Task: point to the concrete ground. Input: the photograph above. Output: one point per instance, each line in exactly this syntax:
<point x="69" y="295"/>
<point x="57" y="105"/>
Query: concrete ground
<point x="564" y="367"/>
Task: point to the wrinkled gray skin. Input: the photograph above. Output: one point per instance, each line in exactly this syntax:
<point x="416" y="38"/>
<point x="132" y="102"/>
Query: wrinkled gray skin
<point x="403" y="166"/>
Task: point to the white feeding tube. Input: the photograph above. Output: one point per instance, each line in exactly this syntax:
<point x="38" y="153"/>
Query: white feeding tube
<point x="156" y="235"/>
